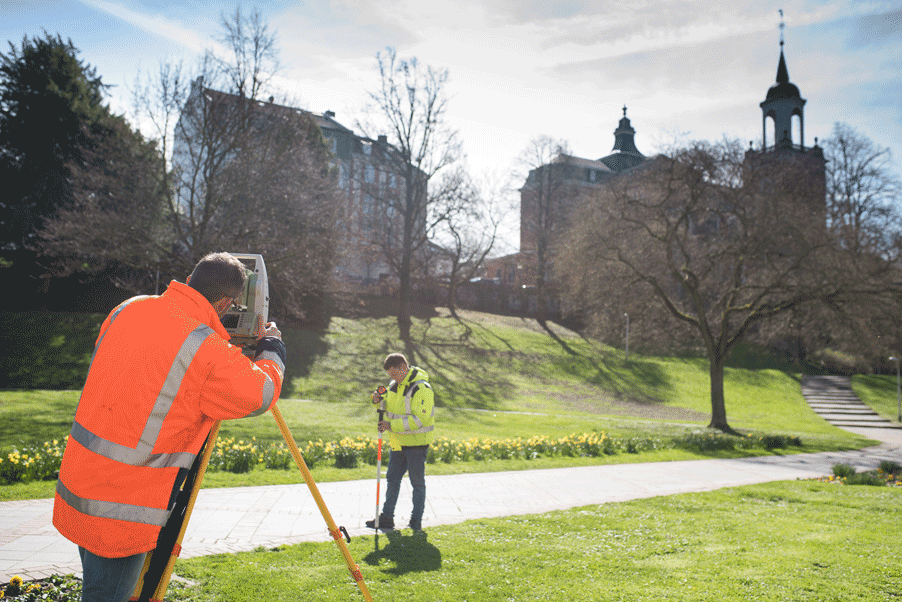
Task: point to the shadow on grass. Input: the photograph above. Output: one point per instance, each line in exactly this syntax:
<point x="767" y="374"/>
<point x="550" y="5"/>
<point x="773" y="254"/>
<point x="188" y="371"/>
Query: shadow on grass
<point x="45" y="350"/>
<point x="755" y="357"/>
<point x="409" y="553"/>
<point x="459" y="368"/>
<point x="304" y="347"/>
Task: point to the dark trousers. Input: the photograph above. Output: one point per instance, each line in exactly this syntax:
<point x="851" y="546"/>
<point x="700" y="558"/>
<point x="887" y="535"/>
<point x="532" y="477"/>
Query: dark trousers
<point x="411" y="460"/>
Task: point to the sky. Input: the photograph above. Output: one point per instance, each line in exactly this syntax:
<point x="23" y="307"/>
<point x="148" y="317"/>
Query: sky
<point x="685" y="69"/>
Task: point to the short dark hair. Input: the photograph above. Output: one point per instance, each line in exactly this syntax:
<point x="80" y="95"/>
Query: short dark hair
<point x="218" y="275"/>
<point x="394" y="360"/>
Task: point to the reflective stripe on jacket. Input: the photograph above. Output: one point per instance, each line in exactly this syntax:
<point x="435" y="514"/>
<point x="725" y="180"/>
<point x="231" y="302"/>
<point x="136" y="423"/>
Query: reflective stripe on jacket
<point x="410" y="409"/>
<point x="162" y="372"/>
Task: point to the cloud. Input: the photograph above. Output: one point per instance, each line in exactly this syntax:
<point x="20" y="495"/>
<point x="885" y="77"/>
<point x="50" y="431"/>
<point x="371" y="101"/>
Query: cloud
<point x="712" y="67"/>
<point x="877" y="30"/>
<point x="532" y="11"/>
<point x="156" y="24"/>
<point x="342" y="29"/>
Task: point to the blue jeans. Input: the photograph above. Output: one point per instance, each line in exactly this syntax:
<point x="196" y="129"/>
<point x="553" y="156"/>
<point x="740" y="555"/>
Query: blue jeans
<point x="109" y="579"/>
<point x="411" y="460"/>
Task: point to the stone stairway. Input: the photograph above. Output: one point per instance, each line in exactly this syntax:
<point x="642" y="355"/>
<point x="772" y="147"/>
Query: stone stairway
<point x="832" y="398"/>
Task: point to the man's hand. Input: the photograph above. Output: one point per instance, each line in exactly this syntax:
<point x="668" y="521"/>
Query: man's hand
<point x="270" y="330"/>
<point x="384" y="426"/>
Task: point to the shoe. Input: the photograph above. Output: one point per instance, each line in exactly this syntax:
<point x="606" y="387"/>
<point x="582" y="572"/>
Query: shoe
<point x="385" y="522"/>
<point x="415" y="526"/>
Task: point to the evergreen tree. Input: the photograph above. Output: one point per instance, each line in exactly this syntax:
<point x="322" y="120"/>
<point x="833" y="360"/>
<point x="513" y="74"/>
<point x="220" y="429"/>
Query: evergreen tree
<point x="47" y="97"/>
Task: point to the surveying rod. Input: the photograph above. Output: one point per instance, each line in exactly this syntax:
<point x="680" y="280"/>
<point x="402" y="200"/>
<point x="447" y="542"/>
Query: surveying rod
<point x="381" y="410"/>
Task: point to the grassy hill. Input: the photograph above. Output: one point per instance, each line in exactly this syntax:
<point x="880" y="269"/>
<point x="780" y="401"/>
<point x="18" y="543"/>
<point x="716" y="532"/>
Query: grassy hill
<point x="494" y="377"/>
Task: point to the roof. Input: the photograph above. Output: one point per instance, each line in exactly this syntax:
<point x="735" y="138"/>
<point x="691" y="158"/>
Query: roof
<point x="323" y="121"/>
<point x="581" y="162"/>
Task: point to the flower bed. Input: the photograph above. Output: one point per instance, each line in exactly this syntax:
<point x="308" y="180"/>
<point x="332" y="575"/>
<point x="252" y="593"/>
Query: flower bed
<point x="42" y="461"/>
<point x="54" y="588"/>
<point x="32" y="463"/>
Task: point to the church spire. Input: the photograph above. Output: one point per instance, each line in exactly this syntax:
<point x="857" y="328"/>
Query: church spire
<point x="782" y="71"/>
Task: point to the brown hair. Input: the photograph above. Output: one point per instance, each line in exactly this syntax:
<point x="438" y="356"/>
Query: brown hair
<point x="394" y="360"/>
<point x="218" y="275"/>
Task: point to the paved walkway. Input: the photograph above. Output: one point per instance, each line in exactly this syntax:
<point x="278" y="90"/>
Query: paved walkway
<point x="241" y="519"/>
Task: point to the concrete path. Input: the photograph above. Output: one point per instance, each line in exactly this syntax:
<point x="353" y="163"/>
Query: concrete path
<point x="241" y="519"/>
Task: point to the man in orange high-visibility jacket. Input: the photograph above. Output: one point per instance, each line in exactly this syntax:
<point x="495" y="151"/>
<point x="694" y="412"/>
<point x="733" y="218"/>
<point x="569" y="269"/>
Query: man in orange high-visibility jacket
<point x="162" y="373"/>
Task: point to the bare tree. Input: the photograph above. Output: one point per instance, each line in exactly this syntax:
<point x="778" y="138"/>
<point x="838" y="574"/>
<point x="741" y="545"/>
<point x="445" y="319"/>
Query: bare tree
<point x="466" y="231"/>
<point x="544" y="164"/>
<point x="248" y="175"/>
<point x="253" y="57"/>
<point x="410" y="103"/>
<point x="862" y="190"/>
<point x="722" y="241"/>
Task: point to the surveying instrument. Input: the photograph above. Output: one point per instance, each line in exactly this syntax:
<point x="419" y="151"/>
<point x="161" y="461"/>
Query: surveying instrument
<point x="241" y="322"/>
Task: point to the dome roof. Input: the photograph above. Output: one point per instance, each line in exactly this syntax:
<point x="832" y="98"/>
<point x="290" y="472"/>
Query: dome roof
<point x="783" y="90"/>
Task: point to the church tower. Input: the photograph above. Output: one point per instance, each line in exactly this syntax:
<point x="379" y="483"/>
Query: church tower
<point x="783" y="102"/>
<point x="791" y="168"/>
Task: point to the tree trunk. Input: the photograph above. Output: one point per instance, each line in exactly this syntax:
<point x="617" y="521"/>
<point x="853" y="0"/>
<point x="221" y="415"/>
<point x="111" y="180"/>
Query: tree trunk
<point x="718" y="407"/>
<point x="404" y="305"/>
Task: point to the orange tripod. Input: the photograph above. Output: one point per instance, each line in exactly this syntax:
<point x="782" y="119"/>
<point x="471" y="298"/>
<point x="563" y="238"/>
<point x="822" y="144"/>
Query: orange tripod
<point x="155" y="575"/>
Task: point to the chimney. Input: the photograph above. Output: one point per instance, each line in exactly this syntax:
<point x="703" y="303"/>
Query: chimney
<point x="329" y="114"/>
<point x="382" y="139"/>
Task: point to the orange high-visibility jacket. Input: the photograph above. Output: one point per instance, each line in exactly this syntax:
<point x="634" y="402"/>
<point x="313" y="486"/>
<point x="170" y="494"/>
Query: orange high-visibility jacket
<point x="162" y="373"/>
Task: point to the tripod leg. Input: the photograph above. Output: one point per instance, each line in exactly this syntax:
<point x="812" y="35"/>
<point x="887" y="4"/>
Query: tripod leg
<point x="155" y="576"/>
<point x="334" y="531"/>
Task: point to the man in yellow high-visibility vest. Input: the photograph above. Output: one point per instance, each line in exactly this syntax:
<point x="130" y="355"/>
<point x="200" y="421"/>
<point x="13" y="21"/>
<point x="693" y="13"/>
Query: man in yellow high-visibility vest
<point x="410" y="419"/>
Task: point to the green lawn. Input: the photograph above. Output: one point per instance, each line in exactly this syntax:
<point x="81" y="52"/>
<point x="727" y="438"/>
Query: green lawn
<point x="501" y="378"/>
<point x="880" y="392"/>
<point x="802" y="540"/>
<point x="494" y="377"/>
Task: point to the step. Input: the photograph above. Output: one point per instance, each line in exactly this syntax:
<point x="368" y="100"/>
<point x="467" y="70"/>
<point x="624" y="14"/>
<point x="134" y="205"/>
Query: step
<point x="869" y="425"/>
<point x="856" y="405"/>
<point x="854" y="409"/>
<point x="845" y="418"/>
<point x="843" y="412"/>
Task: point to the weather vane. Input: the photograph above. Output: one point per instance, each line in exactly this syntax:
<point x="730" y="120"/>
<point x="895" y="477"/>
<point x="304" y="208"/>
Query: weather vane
<point x="782" y="27"/>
